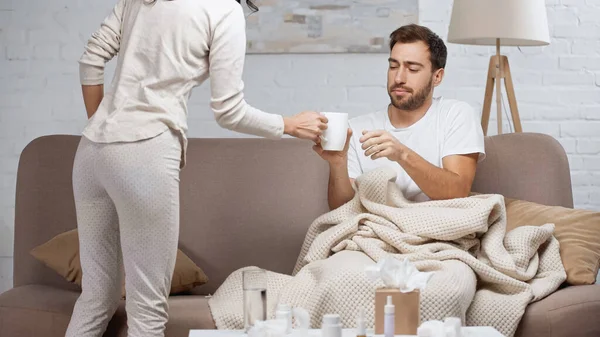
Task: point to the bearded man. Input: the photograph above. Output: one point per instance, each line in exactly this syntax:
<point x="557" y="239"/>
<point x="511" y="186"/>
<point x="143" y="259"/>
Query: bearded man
<point x="433" y="143"/>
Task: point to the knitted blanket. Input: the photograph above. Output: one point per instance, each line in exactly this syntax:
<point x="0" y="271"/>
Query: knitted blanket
<point x="480" y="273"/>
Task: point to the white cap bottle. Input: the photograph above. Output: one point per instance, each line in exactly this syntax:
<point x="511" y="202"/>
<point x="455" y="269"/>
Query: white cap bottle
<point x="361" y="324"/>
<point x="424" y="331"/>
<point x="389" y="318"/>
<point x="284" y="312"/>
<point x="332" y="327"/>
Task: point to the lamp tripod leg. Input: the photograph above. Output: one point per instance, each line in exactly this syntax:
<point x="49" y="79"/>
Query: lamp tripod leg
<point x="499" y="69"/>
<point x="510" y="93"/>
<point x="498" y="89"/>
<point x="489" y="92"/>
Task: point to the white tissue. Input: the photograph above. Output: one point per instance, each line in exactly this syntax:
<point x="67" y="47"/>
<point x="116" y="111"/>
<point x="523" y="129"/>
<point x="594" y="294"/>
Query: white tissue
<point x="450" y="327"/>
<point x="268" y="328"/>
<point x="278" y="327"/>
<point x="402" y="275"/>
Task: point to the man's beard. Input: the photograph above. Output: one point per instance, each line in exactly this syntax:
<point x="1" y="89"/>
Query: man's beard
<point x="414" y="101"/>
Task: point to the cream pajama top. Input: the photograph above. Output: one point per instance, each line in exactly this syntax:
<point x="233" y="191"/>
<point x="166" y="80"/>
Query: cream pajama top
<point x="164" y="50"/>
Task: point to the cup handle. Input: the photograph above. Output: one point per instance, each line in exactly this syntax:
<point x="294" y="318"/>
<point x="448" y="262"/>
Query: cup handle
<point x="323" y="138"/>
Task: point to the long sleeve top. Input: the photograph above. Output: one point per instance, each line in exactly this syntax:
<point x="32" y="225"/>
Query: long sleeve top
<point x="165" y="49"/>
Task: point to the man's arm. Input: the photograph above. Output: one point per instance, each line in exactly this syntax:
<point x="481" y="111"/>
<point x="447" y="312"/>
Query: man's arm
<point x="340" y="189"/>
<point x="92" y="96"/>
<point x="453" y="180"/>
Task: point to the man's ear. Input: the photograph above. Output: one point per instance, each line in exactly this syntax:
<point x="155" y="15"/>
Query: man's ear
<point x="438" y="76"/>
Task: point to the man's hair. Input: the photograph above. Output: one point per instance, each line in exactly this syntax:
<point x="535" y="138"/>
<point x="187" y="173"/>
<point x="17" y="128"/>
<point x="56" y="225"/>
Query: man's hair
<point x="414" y="33"/>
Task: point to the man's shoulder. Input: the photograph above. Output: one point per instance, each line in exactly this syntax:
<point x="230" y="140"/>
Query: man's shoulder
<point x="452" y="109"/>
<point x="452" y="105"/>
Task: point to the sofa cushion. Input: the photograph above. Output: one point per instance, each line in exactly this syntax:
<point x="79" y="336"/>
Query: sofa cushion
<point x="571" y="311"/>
<point x="61" y="254"/>
<point x="577" y="231"/>
<point x="50" y="308"/>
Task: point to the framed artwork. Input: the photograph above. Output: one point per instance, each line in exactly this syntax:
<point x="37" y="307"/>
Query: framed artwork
<point x="326" y="26"/>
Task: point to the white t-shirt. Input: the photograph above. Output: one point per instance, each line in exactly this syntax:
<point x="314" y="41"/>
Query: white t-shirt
<point x="449" y="127"/>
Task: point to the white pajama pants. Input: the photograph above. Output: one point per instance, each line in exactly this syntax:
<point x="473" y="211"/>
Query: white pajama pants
<point x="127" y="204"/>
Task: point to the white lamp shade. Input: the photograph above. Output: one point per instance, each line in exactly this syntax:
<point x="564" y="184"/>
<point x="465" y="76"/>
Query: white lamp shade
<point x="514" y="22"/>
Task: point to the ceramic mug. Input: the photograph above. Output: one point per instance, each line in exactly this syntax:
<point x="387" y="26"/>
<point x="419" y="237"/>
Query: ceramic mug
<point x="334" y="137"/>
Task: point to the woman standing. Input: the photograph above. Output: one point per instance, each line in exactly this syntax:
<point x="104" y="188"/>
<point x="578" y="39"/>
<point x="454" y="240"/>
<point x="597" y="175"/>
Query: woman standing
<point x="126" y="170"/>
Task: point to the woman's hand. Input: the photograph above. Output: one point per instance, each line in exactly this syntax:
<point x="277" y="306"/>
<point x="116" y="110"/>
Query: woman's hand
<point x="92" y="97"/>
<point x="305" y="125"/>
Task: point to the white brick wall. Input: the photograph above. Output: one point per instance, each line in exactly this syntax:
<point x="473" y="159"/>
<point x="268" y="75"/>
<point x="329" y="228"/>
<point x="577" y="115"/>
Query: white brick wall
<point x="557" y="86"/>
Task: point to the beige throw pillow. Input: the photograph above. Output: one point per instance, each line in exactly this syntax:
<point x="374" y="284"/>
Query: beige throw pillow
<point x="61" y="254"/>
<point x="577" y="231"/>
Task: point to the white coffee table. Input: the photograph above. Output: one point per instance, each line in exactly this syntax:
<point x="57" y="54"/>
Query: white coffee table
<point x="295" y="333"/>
<point x="467" y="332"/>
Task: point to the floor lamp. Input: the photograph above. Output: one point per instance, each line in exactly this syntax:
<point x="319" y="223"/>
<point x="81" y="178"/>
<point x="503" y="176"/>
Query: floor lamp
<point x="496" y="23"/>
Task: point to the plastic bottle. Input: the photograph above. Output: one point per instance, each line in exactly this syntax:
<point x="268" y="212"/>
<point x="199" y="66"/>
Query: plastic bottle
<point x="331" y="326"/>
<point x="284" y="311"/>
<point x="424" y="331"/>
<point x="389" y="318"/>
<point x="302" y="320"/>
<point x="361" y="324"/>
<point x="453" y="326"/>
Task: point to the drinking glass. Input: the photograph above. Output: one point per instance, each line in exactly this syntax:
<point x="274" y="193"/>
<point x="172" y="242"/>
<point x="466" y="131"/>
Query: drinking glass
<point x="255" y="296"/>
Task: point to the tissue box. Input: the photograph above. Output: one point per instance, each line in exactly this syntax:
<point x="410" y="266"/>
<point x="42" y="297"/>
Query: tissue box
<point x="407" y="306"/>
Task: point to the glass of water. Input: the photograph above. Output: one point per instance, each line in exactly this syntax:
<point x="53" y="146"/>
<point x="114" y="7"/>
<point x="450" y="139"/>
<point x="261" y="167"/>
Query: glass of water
<point x="255" y="296"/>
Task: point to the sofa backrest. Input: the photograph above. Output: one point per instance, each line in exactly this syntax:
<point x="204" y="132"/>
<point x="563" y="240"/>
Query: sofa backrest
<point x="526" y="166"/>
<point x="250" y="201"/>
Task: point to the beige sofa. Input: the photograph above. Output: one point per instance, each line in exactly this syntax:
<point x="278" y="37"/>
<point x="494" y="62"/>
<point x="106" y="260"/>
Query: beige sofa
<point x="234" y="193"/>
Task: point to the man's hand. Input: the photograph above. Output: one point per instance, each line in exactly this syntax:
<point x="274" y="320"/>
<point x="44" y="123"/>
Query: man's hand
<point x="335" y="157"/>
<point x="381" y="144"/>
<point x="340" y="189"/>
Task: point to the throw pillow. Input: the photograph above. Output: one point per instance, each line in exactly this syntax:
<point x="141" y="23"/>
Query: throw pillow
<point x="577" y="231"/>
<point x="61" y="254"/>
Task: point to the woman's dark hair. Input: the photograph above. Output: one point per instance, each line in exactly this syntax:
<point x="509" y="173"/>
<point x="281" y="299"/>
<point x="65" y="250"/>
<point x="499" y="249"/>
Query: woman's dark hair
<point x="250" y="4"/>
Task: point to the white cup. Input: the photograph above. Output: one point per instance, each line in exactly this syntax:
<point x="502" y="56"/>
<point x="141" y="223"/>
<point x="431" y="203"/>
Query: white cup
<point x="334" y="137"/>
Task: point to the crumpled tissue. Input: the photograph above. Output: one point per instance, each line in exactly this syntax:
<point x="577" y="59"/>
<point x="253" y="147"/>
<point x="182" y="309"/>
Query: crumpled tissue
<point x="402" y="275"/>
<point x="268" y="328"/>
<point x="278" y="327"/>
<point x="450" y="327"/>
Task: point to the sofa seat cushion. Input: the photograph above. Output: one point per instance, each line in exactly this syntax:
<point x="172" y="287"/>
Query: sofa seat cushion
<point x="571" y="311"/>
<point x="33" y="310"/>
<point x="50" y="309"/>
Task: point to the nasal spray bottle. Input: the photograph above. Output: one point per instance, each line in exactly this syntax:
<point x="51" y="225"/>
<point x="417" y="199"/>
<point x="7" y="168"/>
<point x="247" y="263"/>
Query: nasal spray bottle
<point x="361" y="324"/>
<point x="389" y="318"/>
